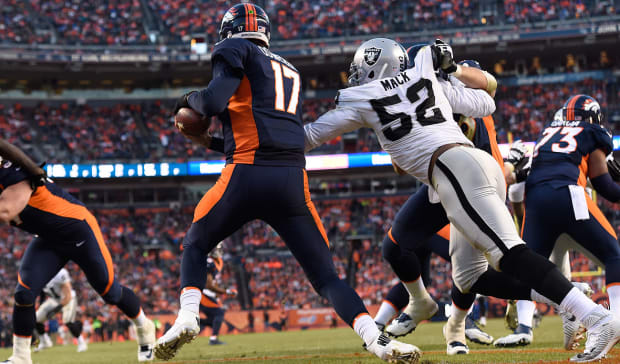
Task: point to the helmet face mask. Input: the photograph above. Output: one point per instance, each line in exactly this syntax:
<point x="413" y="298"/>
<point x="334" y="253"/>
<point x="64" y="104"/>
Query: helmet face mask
<point x="247" y="21"/>
<point x="376" y="59"/>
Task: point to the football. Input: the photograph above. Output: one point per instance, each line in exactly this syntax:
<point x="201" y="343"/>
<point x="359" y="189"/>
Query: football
<point x="190" y="122"/>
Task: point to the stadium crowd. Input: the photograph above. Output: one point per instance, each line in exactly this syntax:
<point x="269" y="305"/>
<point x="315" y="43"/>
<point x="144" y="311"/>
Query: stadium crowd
<point x="115" y="22"/>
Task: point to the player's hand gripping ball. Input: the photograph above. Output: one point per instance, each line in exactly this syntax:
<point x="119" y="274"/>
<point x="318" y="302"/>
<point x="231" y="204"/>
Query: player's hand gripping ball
<point x="189" y="122"/>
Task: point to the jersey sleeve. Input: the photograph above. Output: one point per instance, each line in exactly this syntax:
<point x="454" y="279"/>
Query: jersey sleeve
<point x="63" y="277"/>
<point x="344" y="118"/>
<point x="467" y="101"/>
<point x="602" y="139"/>
<point x="233" y="51"/>
<point x="11" y="174"/>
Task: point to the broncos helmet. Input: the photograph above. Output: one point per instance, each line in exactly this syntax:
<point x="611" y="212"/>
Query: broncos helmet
<point x="470" y="63"/>
<point x="413" y="51"/>
<point x="246" y="21"/>
<point x="582" y="108"/>
<point x="376" y="59"/>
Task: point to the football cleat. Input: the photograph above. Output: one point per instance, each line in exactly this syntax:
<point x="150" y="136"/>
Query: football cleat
<point x="185" y="329"/>
<point x="393" y="351"/>
<point x="522" y="336"/>
<point x="573" y="330"/>
<point x="82" y="346"/>
<point x="45" y="343"/>
<point x="146" y="340"/>
<point x="455" y="339"/>
<point x="216" y="342"/>
<point x="511" y="319"/>
<point x="380" y="326"/>
<point x="475" y="334"/>
<point x="412" y="315"/>
<point x="603" y="334"/>
<point x="17" y="360"/>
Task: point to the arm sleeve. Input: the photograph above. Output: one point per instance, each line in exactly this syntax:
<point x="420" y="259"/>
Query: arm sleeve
<point x="217" y="144"/>
<point x="330" y="125"/>
<point x="603" y="139"/>
<point x="214" y="99"/>
<point x="467" y="101"/>
<point x="604" y="185"/>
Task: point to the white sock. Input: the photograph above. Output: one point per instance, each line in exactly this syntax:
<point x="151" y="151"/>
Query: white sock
<point x="578" y="304"/>
<point x="525" y="312"/>
<point x="81" y="340"/>
<point x="614" y="299"/>
<point x="537" y="297"/>
<point x="458" y="315"/>
<point x="416" y="289"/>
<point x="21" y="346"/>
<point x="366" y="328"/>
<point x="140" y="320"/>
<point x="190" y="299"/>
<point x="213" y="337"/>
<point x="385" y="313"/>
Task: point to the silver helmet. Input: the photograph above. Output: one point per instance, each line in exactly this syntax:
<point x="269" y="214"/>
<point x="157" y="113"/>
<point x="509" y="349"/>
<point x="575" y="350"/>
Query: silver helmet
<point x="558" y="116"/>
<point x="376" y="59"/>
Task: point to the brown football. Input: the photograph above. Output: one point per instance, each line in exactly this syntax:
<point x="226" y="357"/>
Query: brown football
<point x="190" y="122"/>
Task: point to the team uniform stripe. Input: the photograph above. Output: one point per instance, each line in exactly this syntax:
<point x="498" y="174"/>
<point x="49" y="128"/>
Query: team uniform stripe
<point x="252" y="17"/>
<point x="570" y="112"/>
<point x="469" y="209"/>
<point x="247" y="17"/>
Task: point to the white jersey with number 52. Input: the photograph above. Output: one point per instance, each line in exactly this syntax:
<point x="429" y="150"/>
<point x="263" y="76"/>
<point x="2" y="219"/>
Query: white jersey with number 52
<point x="411" y="114"/>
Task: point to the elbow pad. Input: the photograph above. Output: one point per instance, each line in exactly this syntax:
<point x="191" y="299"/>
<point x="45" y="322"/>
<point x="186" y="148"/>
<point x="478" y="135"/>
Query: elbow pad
<point x="604" y="185"/>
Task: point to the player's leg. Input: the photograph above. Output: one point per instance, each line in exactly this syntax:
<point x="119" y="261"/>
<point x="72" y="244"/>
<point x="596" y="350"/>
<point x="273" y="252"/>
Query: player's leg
<point x="46" y="310"/>
<point x="220" y="212"/>
<point x="395" y="300"/>
<point x="474" y="203"/>
<point x="216" y="325"/>
<point x="295" y="219"/>
<point x="38" y="266"/>
<point x="93" y="257"/>
<point x="69" y="315"/>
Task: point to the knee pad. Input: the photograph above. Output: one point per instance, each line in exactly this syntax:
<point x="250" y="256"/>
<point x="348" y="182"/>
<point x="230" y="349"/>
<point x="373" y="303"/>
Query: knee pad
<point x="75" y="328"/>
<point x="522" y="262"/>
<point x="23" y="296"/>
<point x="113" y="296"/>
<point x="465" y="279"/>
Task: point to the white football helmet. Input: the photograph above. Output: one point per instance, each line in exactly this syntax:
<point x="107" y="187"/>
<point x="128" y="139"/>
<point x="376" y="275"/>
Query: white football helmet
<point x="376" y="59"/>
<point x="558" y="115"/>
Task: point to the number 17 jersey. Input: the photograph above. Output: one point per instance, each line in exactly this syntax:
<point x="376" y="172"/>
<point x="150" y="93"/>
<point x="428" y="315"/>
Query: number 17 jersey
<point x="411" y="114"/>
<point x="562" y="151"/>
<point x="262" y="124"/>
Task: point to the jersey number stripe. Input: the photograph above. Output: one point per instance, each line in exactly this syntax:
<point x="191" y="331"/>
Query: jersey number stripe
<point x="406" y="125"/>
<point x="280" y="71"/>
<point x="569" y="133"/>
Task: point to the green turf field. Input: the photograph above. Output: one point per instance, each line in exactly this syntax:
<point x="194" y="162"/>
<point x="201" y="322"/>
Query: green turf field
<point x="325" y="346"/>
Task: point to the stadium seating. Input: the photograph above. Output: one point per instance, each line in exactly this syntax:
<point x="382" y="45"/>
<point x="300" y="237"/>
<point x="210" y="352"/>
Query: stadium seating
<point x="115" y="22"/>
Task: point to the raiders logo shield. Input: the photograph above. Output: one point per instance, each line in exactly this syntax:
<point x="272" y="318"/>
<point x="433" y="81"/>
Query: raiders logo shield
<point x="371" y="55"/>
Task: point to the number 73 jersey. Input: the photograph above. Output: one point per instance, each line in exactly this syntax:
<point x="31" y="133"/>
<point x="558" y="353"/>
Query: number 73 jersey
<point x="562" y="151"/>
<point x="411" y="114"/>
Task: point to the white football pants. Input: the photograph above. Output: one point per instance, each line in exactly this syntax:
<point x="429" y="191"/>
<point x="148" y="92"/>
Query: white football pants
<point x="46" y="309"/>
<point x="472" y="190"/>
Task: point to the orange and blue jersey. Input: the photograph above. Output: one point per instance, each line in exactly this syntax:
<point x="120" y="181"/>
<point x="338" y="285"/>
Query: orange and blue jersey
<point x="262" y="124"/>
<point x="562" y="151"/>
<point x="209" y="298"/>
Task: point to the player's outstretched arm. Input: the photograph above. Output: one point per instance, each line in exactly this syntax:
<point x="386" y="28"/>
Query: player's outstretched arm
<point x="14" y="154"/>
<point x="13" y="200"/>
<point x="330" y="125"/>
<point x="600" y="178"/>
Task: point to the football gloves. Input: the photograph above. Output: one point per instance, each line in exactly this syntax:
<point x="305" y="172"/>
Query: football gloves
<point x="614" y="169"/>
<point x="443" y="57"/>
<point x="516" y="157"/>
<point x="182" y="102"/>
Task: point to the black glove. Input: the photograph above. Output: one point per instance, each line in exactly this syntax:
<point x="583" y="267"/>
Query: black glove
<point x="614" y="169"/>
<point x="182" y="102"/>
<point x="443" y="57"/>
<point x="38" y="180"/>
<point x="522" y="171"/>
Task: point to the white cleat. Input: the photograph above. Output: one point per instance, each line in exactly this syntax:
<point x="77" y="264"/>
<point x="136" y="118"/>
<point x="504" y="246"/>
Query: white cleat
<point x="412" y="315"/>
<point x="454" y="333"/>
<point x="17" y="360"/>
<point x="522" y="336"/>
<point x="573" y="330"/>
<point x="82" y="346"/>
<point x="45" y="343"/>
<point x="475" y="334"/>
<point x="603" y="334"/>
<point x="393" y="351"/>
<point x="185" y="329"/>
<point x="146" y="340"/>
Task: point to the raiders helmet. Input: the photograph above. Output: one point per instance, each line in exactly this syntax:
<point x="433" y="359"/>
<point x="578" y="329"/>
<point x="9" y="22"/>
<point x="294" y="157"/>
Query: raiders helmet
<point x="376" y="59"/>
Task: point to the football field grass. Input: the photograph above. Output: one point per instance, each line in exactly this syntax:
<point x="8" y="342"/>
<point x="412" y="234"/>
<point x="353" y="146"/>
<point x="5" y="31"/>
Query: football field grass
<point x="326" y="346"/>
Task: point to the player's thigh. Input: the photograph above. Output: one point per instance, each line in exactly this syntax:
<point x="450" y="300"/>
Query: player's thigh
<point x="468" y="183"/>
<point x="418" y="220"/>
<point x="46" y="309"/>
<point x="596" y="236"/>
<point x="468" y="262"/>
<point x="41" y="261"/>
<point x="69" y="311"/>
<point x="547" y="213"/>
<point x="224" y="208"/>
